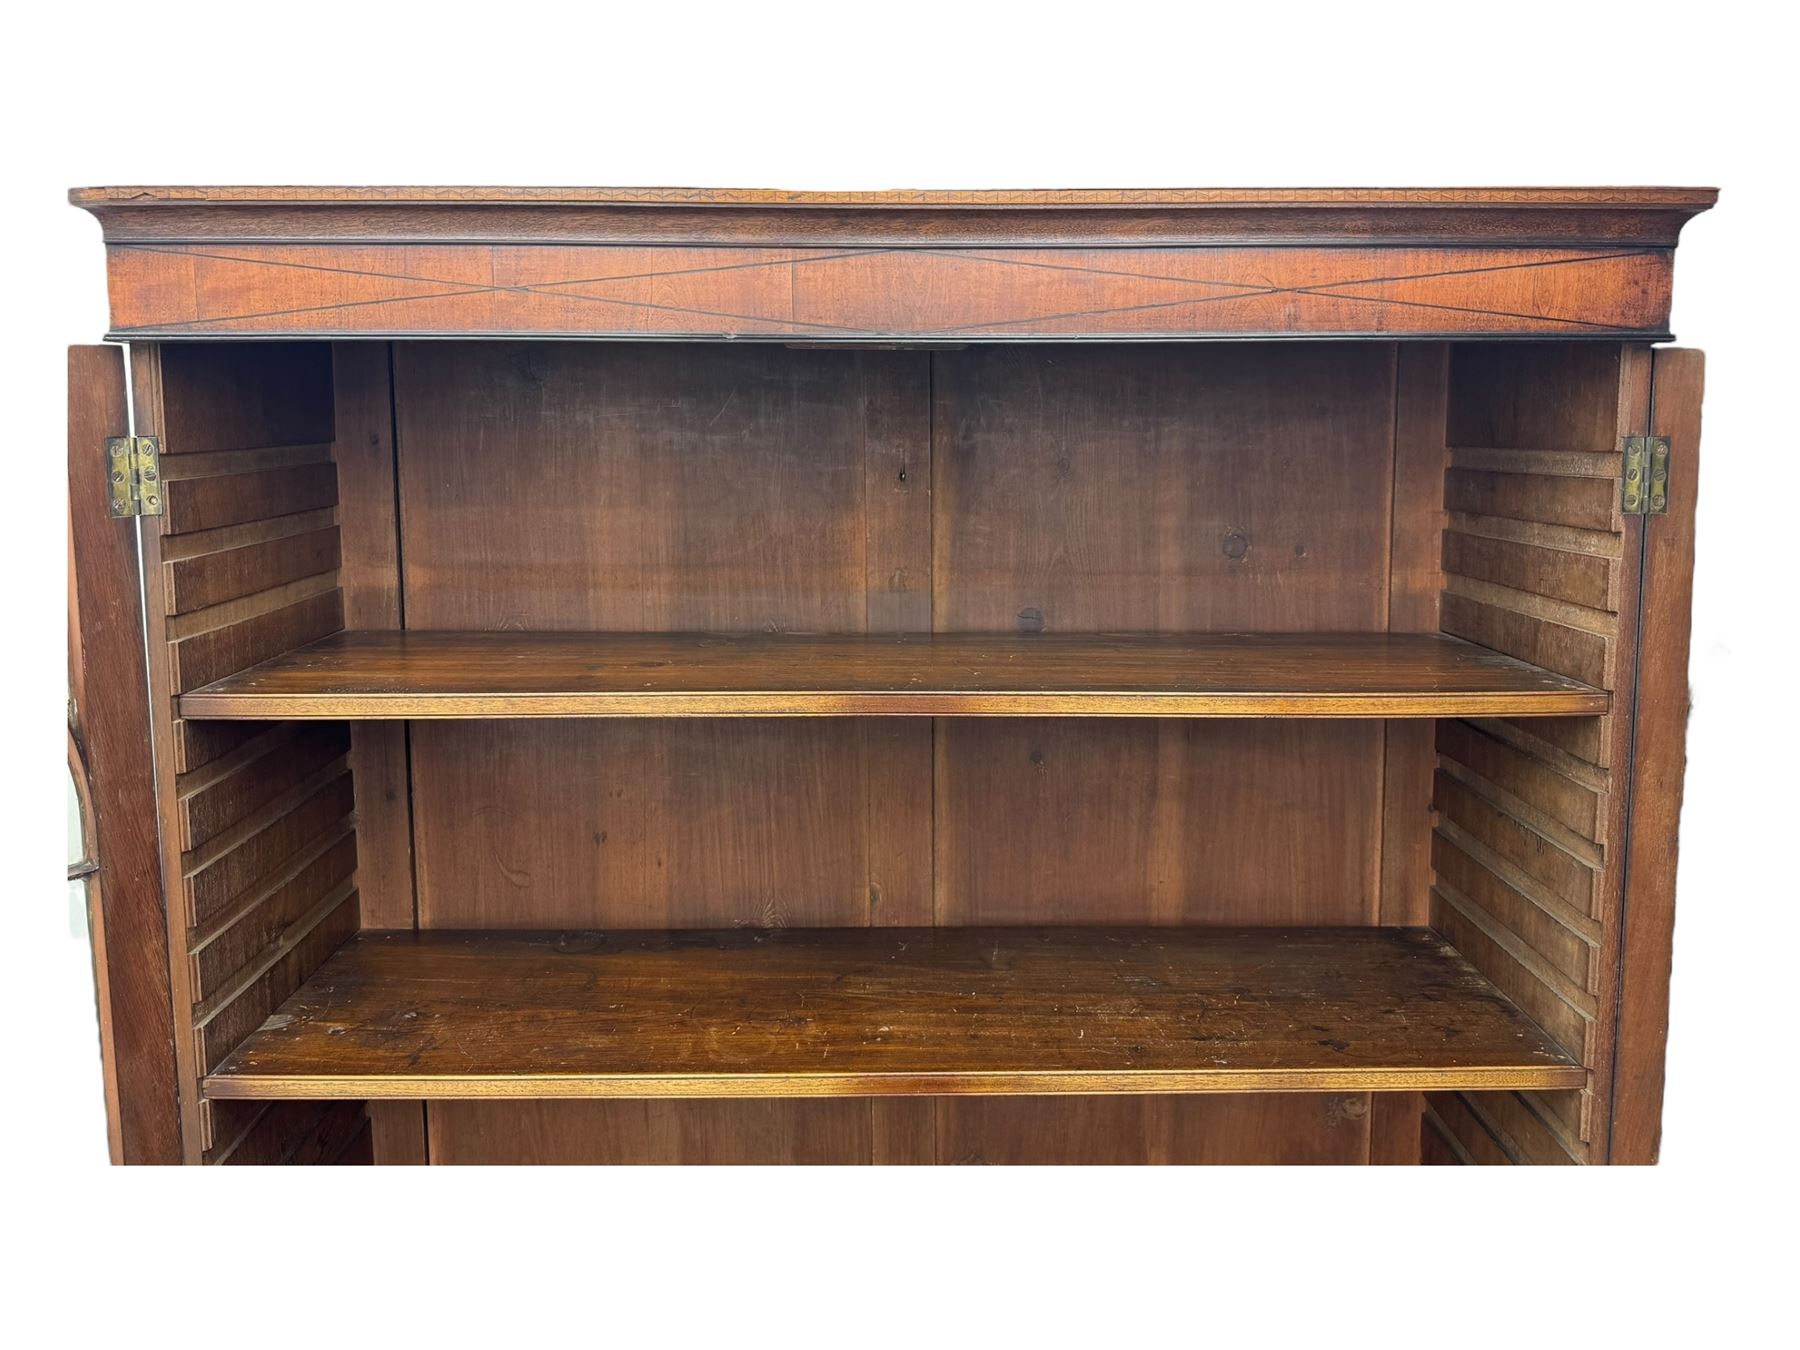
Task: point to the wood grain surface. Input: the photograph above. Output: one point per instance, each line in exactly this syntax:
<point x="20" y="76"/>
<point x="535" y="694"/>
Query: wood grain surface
<point x="1037" y="551"/>
<point x="1694" y="198"/>
<point x="1659" y="764"/>
<point x="743" y="488"/>
<point x="258" y="822"/>
<point x="826" y="1012"/>
<point x="1608" y="215"/>
<point x="1530" y="826"/>
<point x="109" y="712"/>
<point x="864" y="294"/>
<point x="436" y="675"/>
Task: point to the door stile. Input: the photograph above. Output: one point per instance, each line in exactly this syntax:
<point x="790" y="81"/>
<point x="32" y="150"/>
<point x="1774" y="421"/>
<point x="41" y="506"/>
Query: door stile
<point x="109" y="723"/>
<point x="1659" y="758"/>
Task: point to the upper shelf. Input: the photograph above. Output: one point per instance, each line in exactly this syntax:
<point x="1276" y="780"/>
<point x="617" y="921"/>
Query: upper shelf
<point x="506" y="674"/>
<point x="695" y="263"/>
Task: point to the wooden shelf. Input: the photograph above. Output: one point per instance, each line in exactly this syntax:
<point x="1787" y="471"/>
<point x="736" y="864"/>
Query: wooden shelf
<point x="423" y="674"/>
<point x="866" y="1012"/>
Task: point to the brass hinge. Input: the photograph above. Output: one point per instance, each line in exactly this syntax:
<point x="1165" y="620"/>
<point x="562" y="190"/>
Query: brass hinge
<point x="134" y="476"/>
<point x="1646" y="485"/>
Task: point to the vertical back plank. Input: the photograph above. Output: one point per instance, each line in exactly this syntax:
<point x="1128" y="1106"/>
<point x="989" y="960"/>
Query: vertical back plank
<point x="895" y="388"/>
<point x="1415" y="580"/>
<point x="369" y="575"/>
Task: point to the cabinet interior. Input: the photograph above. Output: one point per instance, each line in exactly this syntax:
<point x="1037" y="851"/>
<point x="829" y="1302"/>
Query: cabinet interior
<point x="1014" y="491"/>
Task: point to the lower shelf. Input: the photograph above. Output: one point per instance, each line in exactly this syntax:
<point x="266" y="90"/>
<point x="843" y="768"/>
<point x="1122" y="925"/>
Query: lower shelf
<point x="867" y="1012"/>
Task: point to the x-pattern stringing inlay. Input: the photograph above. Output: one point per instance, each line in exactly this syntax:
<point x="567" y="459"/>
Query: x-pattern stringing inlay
<point x="872" y="293"/>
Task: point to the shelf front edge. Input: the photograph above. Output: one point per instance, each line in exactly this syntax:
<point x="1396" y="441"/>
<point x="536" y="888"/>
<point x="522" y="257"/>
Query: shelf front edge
<point x="252" y="1087"/>
<point x="228" y="706"/>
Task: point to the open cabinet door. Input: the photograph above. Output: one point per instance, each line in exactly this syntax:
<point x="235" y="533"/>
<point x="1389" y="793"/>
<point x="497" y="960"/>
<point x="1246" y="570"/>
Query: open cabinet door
<point x="1659" y="759"/>
<point x="109" y="735"/>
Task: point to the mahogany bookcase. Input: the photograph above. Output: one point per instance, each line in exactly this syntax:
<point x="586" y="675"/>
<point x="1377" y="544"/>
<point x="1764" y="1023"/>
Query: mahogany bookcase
<point x="738" y="676"/>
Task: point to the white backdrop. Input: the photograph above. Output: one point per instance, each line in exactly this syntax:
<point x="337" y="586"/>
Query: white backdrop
<point x="953" y="96"/>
